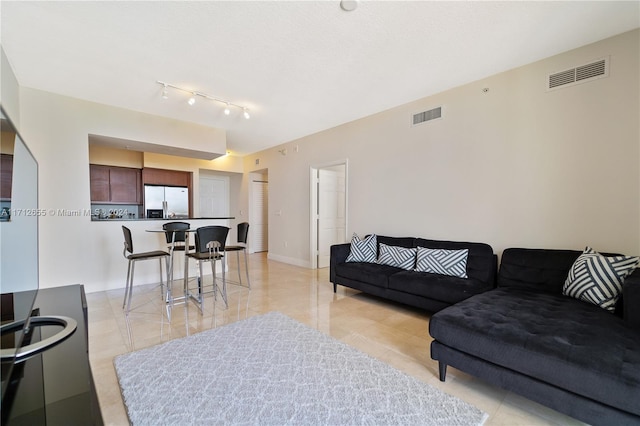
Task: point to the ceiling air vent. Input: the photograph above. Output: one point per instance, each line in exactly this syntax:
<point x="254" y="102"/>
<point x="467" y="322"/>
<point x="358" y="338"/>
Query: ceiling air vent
<point x="581" y="74"/>
<point x="424" y="116"/>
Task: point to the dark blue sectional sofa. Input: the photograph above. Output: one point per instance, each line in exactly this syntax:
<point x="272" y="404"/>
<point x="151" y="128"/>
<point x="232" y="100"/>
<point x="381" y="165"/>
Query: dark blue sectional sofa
<point x="526" y="336"/>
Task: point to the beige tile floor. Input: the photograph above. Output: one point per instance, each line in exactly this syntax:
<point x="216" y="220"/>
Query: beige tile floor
<point x="391" y="332"/>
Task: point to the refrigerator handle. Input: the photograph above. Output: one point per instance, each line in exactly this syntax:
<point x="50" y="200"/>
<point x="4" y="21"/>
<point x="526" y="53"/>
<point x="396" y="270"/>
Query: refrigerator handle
<point x="164" y="209"/>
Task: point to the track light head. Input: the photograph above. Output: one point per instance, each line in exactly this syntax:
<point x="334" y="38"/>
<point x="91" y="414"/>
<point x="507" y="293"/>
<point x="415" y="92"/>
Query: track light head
<point x="192" y="99"/>
<point x="246" y="113"/>
<point x="165" y="92"/>
<point x="227" y="111"/>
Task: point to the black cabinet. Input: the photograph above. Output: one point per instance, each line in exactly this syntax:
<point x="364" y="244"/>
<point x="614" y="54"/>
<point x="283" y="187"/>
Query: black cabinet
<point x="56" y="386"/>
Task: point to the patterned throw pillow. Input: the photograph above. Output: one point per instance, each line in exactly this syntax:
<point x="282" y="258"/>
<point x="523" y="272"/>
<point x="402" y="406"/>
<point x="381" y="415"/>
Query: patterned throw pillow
<point x="363" y="250"/>
<point x="442" y="261"/>
<point x="598" y="279"/>
<point x="400" y="257"/>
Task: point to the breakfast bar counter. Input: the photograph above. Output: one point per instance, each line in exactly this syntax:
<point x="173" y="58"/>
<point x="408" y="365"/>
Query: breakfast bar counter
<point x="104" y="247"/>
<point x="169" y="219"/>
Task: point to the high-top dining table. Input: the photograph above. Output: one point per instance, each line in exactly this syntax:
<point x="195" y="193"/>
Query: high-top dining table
<point x="169" y="299"/>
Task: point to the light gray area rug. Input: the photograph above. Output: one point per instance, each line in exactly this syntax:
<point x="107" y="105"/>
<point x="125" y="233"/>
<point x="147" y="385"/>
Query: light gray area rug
<point x="273" y="370"/>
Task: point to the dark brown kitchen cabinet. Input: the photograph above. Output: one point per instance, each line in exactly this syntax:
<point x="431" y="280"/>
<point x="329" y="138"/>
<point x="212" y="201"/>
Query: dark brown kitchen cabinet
<point x="99" y="183"/>
<point x="125" y="185"/>
<point x="110" y="184"/>
<point x="6" y="176"/>
<point x="166" y="177"/>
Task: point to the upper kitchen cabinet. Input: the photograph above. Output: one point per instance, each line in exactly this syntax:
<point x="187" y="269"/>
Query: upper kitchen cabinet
<point x="119" y="185"/>
<point x="99" y="183"/>
<point x="126" y="185"/>
<point x="166" y="177"/>
<point x="6" y="174"/>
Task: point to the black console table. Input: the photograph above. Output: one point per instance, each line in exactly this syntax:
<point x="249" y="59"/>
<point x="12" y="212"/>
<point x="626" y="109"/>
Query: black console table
<point x="56" y="387"/>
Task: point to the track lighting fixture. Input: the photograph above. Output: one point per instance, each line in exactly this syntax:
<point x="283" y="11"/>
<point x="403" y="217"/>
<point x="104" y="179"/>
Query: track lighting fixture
<point x="192" y="99"/>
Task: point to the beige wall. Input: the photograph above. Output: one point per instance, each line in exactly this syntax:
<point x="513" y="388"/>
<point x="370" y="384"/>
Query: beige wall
<point x="115" y="157"/>
<point x="517" y="166"/>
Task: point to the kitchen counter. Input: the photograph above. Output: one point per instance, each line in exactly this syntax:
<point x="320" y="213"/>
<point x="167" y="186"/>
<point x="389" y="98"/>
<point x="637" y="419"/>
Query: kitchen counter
<point x="105" y="240"/>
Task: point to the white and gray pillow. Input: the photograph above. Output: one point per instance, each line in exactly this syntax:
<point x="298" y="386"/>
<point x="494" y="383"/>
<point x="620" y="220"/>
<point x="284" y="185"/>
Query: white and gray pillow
<point x="442" y="261"/>
<point x="400" y="257"/>
<point x="363" y="250"/>
<point x="598" y="279"/>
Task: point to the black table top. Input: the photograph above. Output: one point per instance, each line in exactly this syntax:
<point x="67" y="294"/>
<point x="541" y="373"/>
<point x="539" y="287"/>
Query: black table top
<point x="56" y="386"/>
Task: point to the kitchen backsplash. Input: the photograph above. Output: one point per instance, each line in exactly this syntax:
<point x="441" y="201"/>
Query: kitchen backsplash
<point x="115" y="211"/>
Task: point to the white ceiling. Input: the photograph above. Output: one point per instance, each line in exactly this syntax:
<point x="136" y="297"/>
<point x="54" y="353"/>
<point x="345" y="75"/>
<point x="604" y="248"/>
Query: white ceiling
<point x="299" y="66"/>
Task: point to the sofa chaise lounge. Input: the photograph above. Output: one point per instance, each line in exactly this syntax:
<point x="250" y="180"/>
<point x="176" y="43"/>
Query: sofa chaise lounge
<point x="527" y="337"/>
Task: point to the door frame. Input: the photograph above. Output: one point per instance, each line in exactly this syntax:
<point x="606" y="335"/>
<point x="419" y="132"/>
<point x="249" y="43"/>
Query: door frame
<point x="313" y="206"/>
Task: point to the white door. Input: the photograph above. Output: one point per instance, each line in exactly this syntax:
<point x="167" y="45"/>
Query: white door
<point x="214" y="196"/>
<point x="258" y="226"/>
<point x="331" y="211"/>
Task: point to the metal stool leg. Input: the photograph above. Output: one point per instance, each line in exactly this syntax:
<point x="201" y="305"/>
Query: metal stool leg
<point x="238" y="261"/>
<point x="163" y="293"/>
<point x="168" y="296"/>
<point x="133" y="266"/>
<point x="126" y="286"/>
<point x="223" y="263"/>
<point x="246" y="267"/>
<point x="201" y="289"/>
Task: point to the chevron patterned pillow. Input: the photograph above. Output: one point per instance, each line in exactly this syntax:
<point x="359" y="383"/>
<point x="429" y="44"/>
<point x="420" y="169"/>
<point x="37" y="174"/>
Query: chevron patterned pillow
<point x="400" y="257"/>
<point x="363" y="250"/>
<point x="442" y="261"/>
<point x="598" y="279"/>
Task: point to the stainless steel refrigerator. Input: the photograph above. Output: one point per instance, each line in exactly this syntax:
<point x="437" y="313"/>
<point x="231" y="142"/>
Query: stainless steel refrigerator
<point x="173" y="201"/>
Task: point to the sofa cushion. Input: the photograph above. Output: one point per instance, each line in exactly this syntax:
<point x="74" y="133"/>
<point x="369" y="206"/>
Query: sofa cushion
<point x="535" y="269"/>
<point x="442" y="261"/>
<point x="598" y="279"/>
<point x="554" y="338"/>
<point x="435" y="286"/>
<point x="363" y="250"/>
<point x="408" y="242"/>
<point x="631" y="300"/>
<point x="370" y="273"/>
<point x="400" y="257"/>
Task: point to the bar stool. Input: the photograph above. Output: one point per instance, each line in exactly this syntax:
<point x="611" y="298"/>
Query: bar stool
<point x="243" y="235"/>
<point x="175" y="237"/>
<point x="209" y="247"/>
<point x="135" y="257"/>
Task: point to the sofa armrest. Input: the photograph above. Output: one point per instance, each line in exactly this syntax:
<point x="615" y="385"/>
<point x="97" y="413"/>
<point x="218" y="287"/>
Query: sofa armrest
<point x="631" y="299"/>
<point x="339" y="253"/>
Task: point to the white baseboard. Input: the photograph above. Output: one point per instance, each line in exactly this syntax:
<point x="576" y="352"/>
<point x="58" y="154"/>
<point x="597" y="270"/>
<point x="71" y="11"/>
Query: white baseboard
<point x="289" y="260"/>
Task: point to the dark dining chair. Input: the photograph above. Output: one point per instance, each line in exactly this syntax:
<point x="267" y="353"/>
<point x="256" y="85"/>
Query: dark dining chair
<point x="133" y="257"/>
<point x="243" y="235"/>
<point x="209" y="247"/>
